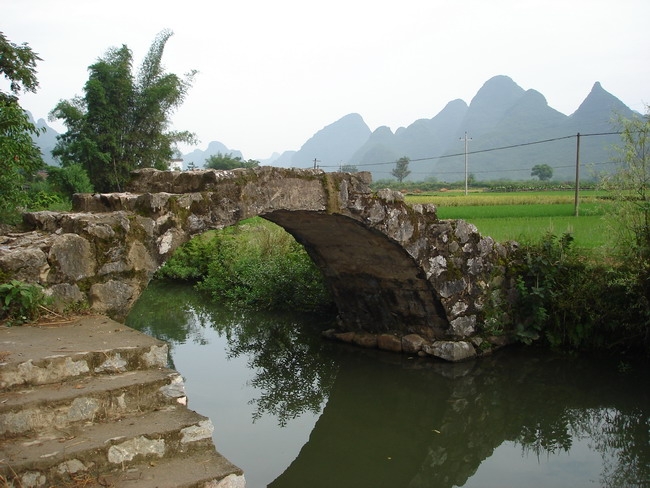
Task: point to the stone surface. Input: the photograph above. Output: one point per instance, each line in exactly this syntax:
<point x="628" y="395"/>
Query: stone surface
<point x="193" y="433"/>
<point x="230" y="481"/>
<point x="412" y="343"/>
<point x="389" y="342"/>
<point x="365" y="339"/>
<point x="463" y="326"/>
<point x="451" y="350"/>
<point x="72" y="257"/>
<point x="140" y="446"/>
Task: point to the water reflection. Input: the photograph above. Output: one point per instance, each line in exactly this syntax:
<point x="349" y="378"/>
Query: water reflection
<point x="292" y="371"/>
<point x="393" y="421"/>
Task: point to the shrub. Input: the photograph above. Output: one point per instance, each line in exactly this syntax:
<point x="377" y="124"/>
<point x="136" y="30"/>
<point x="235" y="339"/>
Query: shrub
<point x="69" y="180"/>
<point x="255" y="264"/>
<point x="190" y="262"/>
<point x="21" y="302"/>
<point x="572" y="302"/>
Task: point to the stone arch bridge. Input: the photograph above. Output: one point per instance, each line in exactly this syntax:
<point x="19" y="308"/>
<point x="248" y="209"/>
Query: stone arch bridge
<point x="400" y="277"/>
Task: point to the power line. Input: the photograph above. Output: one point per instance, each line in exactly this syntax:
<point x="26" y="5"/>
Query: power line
<point x="479" y="151"/>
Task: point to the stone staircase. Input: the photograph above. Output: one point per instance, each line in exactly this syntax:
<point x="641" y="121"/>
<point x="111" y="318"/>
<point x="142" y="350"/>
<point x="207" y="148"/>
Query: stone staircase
<point x="92" y="403"/>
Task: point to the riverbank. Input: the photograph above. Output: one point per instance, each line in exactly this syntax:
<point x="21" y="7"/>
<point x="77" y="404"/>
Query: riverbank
<point x="90" y="402"/>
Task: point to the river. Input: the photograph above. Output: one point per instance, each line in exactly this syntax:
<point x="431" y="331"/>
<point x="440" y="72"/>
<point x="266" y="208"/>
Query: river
<point x="294" y="410"/>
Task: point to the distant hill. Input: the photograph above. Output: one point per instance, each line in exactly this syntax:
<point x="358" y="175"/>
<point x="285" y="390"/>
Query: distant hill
<point x="46" y="140"/>
<point x="421" y="139"/>
<point x="281" y="160"/>
<point x="523" y="117"/>
<point x="333" y="145"/>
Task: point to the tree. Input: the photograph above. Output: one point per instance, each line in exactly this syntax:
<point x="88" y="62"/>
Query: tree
<point x="401" y="170"/>
<point x="227" y="161"/>
<point x="121" y="123"/>
<point x="630" y="187"/>
<point x="543" y="171"/>
<point x="20" y="158"/>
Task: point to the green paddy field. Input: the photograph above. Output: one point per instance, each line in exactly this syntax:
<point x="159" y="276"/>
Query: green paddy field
<point x="526" y="216"/>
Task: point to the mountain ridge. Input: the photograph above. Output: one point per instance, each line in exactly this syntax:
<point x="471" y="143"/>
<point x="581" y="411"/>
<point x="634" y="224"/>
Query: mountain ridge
<point x="500" y="114"/>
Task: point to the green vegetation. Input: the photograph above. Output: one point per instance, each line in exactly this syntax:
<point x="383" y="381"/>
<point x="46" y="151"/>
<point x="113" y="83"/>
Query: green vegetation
<point x="575" y="303"/>
<point x="255" y="263"/>
<point x="121" y="123"/>
<point x="630" y="188"/>
<point x="227" y="161"/>
<point x="21" y="302"/>
<point x="20" y="159"/>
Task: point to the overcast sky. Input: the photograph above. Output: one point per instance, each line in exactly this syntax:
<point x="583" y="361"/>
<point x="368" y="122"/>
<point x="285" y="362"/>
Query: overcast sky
<point x="272" y="73"/>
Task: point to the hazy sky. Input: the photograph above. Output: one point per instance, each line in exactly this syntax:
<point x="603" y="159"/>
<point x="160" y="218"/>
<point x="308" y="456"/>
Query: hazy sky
<point x="272" y="73"/>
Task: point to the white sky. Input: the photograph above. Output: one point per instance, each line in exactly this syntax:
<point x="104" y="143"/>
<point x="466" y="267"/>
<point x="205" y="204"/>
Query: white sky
<point x="272" y="73"/>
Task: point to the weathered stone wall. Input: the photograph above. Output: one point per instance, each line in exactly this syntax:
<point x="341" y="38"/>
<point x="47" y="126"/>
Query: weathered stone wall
<point x="392" y="268"/>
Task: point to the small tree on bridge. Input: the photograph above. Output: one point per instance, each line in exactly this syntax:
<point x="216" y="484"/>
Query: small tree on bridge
<point x="401" y="170"/>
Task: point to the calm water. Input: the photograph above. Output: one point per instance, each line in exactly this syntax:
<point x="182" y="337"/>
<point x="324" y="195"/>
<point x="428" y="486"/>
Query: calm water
<point x="293" y="410"/>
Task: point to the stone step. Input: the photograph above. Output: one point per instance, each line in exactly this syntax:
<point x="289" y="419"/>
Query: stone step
<point x="111" y="448"/>
<point x="207" y="469"/>
<point x="68" y="406"/>
<point x="90" y="345"/>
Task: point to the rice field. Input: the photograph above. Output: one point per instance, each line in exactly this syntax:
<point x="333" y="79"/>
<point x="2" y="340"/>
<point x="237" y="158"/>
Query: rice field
<point x="527" y="216"/>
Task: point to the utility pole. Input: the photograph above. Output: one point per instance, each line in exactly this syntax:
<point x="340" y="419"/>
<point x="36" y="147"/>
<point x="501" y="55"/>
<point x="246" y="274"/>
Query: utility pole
<point x="466" y="139"/>
<point x="577" y="195"/>
<point x="315" y="162"/>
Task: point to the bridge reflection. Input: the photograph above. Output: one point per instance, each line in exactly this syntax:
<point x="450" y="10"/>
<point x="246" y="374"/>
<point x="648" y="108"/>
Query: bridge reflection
<point x="433" y="425"/>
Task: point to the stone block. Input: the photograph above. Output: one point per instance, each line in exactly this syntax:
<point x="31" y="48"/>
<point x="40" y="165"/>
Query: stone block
<point x="200" y="431"/>
<point x="451" y="350"/>
<point x="73" y="257"/>
<point x="139" y="446"/>
<point x="412" y="343"/>
<point x="463" y="326"/>
<point x="389" y="342"/>
<point x="365" y="339"/>
<point x="344" y="336"/>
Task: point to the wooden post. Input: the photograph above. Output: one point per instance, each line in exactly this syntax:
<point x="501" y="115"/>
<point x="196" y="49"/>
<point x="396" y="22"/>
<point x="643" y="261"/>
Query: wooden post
<point x="466" y="139"/>
<point x="577" y="195"/>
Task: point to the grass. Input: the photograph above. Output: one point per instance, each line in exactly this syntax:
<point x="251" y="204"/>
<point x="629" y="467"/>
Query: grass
<point x="527" y="216"/>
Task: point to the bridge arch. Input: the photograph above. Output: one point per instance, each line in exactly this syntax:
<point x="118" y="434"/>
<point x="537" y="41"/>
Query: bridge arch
<point x="391" y="267"/>
<point x="376" y="285"/>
